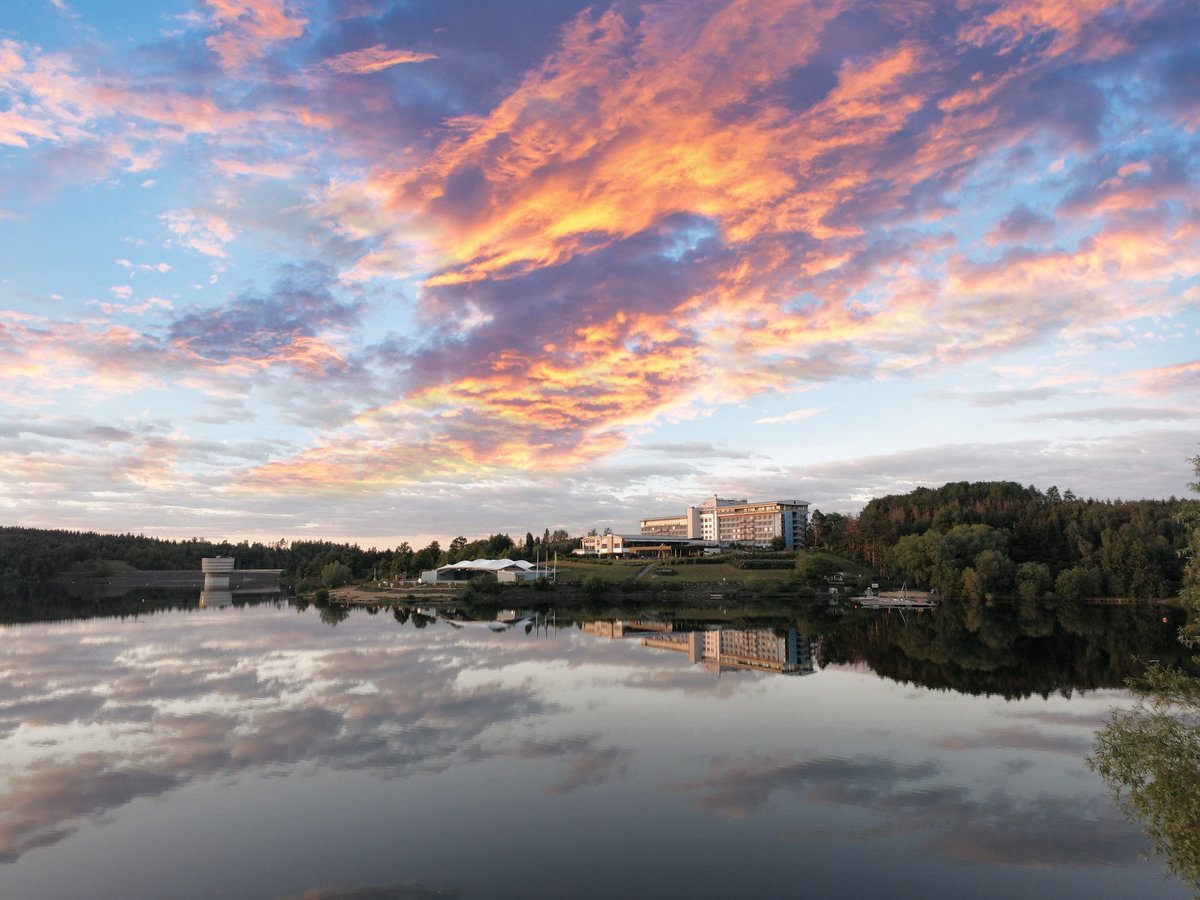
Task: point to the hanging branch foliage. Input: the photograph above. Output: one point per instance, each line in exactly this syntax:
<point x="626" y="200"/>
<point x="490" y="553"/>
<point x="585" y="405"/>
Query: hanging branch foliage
<point x="1149" y="755"/>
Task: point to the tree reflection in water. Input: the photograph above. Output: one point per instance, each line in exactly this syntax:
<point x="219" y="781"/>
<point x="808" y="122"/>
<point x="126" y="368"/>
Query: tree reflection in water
<point x="1007" y="649"/>
<point x="1150" y="755"/>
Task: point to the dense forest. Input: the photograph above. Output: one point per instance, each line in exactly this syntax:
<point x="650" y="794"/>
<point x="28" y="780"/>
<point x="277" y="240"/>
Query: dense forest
<point x="999" y="539"/>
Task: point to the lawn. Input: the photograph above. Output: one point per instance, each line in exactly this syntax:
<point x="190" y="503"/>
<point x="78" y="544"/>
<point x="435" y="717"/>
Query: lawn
<point x="573" y="571"/>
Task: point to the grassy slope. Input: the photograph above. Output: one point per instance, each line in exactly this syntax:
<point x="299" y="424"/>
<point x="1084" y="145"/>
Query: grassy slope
<point x="575" y="570"/>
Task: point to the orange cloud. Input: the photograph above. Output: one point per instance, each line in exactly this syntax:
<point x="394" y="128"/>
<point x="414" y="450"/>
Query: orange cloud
<point x="523" y="413"/>
<point x="625" y="126"/>
<point x="593" y="148"/>
<point x="632" y="144"/>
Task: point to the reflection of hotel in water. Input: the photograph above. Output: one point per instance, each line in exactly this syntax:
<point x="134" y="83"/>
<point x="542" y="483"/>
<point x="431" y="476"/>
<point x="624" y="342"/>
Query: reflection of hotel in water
<point x="784" y="651"/>
<point x="619" y="628"/>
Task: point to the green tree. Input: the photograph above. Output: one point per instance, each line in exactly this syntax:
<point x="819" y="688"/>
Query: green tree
<point x="336" y="574"/>
<point x="996" y="573"/>
<point x="832" y="533"/>
<point x="1136" y="560"/>
<point x="1150" y="754"/>
<point x="402" y="561"/>
<point x="911" y="559"/>
<point x="1033" y="581"/>
<point x="813" y="568"/>
<point x="427" y="558"/>
<point x="1078" y="582"/>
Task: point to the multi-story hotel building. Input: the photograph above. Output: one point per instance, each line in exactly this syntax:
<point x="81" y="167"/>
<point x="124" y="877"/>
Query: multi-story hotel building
<point x="724" y="521"/>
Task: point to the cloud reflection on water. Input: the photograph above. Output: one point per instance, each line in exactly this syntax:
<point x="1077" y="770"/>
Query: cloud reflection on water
<point x="245" y="699"/>
<point x="102" y="713"/>
<point x="906" y="800"/>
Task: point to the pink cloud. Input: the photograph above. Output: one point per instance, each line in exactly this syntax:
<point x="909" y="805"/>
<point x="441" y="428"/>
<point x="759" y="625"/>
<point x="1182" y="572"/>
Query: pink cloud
<point x="46" y="102"/>
<point x="1180" y="378"/>
<point x="282" y="169"/>
<point x="373" y="59"/>
<point x="248" y="28"/>
<point x="1067" y="25"/>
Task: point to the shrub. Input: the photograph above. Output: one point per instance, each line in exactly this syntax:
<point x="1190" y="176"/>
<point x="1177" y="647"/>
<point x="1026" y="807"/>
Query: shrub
<point x="336" y="574"/>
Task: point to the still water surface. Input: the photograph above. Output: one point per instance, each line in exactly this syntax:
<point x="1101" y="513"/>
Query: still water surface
<point x="259" y="752"/>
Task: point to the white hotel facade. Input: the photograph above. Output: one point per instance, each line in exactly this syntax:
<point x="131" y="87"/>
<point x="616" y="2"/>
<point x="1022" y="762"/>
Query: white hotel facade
<point x="724" y="522"/>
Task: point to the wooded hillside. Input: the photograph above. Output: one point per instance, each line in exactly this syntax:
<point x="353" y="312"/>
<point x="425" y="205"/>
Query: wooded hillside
<point x="979" y="539"/>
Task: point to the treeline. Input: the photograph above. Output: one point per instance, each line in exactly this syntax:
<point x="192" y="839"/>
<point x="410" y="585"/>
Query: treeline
<point x="46" y="553"/>
<point x="999" y="539"/>
<point x="964" y="540"/>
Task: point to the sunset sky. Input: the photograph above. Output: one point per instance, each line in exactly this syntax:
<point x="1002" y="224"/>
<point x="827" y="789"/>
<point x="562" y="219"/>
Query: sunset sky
<point x="384" y="271"/>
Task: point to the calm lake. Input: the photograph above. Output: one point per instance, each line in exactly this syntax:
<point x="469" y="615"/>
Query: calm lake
<point x="273" y="751"/>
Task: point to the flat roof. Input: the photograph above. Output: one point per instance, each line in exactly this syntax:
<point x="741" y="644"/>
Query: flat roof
<point x="661" y="539"/>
